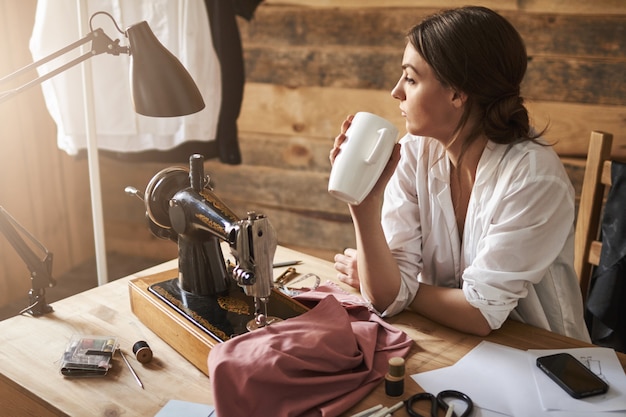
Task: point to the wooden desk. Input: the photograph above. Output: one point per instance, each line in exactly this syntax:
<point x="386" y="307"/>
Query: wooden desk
<point x="31" y="385"/>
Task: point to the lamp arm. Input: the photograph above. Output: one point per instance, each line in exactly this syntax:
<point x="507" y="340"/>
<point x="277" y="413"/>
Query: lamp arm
<point x="40" y="269"/>
<point x="100" y="43"/>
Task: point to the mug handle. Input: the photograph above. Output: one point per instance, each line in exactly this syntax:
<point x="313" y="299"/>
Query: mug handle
<point x="378" y="147"/>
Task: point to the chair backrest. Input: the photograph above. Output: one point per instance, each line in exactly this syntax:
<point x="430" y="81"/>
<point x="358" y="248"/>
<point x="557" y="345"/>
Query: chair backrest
<point x="597" y="178"/>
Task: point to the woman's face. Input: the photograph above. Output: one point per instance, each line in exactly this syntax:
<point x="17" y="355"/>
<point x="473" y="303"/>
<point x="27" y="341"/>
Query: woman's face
<point x="430" y="108"/>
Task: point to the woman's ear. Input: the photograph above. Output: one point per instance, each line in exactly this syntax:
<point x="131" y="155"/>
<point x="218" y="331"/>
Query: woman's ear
<point x="459" y="98"/>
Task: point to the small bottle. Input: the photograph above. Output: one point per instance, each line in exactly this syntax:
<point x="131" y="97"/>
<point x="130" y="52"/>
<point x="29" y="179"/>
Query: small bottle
<point x="394" y="380"/>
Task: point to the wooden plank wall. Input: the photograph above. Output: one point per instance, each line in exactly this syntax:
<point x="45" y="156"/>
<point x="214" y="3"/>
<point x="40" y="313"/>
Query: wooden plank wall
<point x="309" y="63"/>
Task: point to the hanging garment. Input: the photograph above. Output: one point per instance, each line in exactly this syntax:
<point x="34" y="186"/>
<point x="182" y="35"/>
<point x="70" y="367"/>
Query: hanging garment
<point x="182" y="26"/>
<point x="606" y="304"/>
<point x="246" y="8"/>
<point x="227" y="44"/>
<point x="228" y="47"/>
<point x="317" y="364"/>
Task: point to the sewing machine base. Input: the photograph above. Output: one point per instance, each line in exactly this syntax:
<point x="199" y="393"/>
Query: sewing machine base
<point x="222" y="316"/>
<point x="193" y="325"/>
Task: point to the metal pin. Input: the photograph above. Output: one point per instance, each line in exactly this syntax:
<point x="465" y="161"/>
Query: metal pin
<point x="130" y="368"/>
<point x="289" y="274"/>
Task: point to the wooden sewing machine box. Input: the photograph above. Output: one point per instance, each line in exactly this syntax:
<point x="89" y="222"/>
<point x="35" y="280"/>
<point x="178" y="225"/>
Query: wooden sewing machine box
<point x="194" y="327"/>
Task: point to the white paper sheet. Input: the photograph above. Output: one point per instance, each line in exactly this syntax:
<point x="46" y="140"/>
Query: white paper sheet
<point x="603" y="361"/>
<point x="177" y="408"/>
<point x="483" y="374"/>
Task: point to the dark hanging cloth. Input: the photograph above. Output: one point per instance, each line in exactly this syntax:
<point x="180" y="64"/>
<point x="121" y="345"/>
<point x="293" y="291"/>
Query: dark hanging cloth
<point x="606" y="304"/>
<point x="229" y="50"/>
<point x="227" y="44"/>
<point x="246" y="8"/>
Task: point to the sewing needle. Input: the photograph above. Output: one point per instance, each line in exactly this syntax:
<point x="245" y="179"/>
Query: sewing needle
<point x="130" y="368"/>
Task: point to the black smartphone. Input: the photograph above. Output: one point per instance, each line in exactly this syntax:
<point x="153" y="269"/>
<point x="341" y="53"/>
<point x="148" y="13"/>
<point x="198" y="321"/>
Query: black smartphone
<point x="572" y="375"/>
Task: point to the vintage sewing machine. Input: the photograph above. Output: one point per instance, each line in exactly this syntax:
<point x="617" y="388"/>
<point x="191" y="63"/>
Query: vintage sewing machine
<point x="222" y="298"/>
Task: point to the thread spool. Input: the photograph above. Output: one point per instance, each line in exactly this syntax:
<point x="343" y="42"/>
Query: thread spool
<point x="142" y="352"/>
<point x="394" y="379"/>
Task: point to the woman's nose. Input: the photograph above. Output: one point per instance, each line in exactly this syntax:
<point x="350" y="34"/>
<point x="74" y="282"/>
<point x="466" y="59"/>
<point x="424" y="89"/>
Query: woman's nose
<point x="396" y="92"/>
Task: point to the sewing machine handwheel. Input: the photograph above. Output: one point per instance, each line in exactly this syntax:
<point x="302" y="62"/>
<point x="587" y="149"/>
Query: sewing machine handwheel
<point x="160" y="190"/>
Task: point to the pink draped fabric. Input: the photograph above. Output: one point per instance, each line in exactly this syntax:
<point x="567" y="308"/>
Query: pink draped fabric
<point x="318" y="364"/>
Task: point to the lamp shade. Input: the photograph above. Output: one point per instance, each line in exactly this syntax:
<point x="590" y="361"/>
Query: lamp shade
<point x="161" y="86"/>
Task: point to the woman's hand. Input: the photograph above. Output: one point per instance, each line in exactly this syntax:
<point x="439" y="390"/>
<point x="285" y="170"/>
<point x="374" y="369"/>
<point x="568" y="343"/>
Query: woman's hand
<point x="390" y="168"/>
<point x="345" y="265"/>
<point x="341" y="137"/>
<point x="379" y="188"/>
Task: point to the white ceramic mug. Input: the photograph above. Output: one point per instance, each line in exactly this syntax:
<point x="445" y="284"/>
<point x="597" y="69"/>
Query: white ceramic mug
<point x="364" y="153"/>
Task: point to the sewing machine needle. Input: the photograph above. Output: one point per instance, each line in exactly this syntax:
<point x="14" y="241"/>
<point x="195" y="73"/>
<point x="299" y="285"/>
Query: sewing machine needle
<point x="130" y="368"/>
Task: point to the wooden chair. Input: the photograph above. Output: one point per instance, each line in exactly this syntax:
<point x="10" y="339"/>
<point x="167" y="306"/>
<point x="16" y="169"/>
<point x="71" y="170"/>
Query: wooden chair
<point x="597" y="179"/>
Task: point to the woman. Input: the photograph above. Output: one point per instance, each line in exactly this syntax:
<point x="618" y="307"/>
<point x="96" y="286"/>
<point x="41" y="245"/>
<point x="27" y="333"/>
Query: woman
<point x="477" y="214"/>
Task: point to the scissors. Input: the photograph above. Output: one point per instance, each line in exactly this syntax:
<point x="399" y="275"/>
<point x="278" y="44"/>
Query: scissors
<point x="438" y="402"/>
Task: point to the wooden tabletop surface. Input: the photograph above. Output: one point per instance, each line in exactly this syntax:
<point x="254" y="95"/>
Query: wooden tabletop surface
<point x="31" y="385"/>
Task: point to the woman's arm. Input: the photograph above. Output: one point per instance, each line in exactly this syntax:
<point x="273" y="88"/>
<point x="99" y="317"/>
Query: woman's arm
<point x="449" y="307"/>
<point x="378" y="270"/>
<point x="379" y="277"/>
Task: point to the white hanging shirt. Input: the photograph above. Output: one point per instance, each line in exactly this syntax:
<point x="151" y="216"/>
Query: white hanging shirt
<point x="182" y="26"/>
<point x="516" y="257"/>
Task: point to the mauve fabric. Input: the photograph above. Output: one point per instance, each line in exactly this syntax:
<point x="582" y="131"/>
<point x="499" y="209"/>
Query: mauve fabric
<point x="317" y="364"/>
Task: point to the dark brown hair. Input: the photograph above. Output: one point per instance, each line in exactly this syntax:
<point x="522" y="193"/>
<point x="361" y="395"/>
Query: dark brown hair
<point x="478" y="52"/>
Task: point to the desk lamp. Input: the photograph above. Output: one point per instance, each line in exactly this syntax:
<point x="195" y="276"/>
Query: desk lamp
<point x="160" y="87"/>
<point x="40" y="266"/>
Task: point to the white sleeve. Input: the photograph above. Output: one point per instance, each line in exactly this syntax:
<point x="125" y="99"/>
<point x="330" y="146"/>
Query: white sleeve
<point x="527" y="232"/>
<point x="406" y="294"/>
<point x="401" y="224"/>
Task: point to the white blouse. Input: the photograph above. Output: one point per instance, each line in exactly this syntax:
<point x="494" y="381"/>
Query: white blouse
<point x="516" y="257"/>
